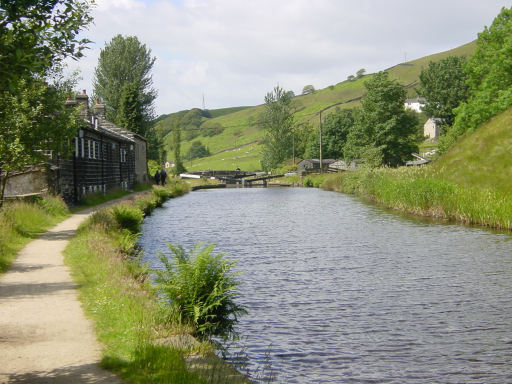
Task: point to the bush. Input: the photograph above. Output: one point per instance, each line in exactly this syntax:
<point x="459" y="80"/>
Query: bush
<point x="199" y="288"/>
<point x="128" y="216"/>
<point x="54" y="205"/>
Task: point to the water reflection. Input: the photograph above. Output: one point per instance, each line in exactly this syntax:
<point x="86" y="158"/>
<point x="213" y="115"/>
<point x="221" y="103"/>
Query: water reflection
<point x="346" y="292"/>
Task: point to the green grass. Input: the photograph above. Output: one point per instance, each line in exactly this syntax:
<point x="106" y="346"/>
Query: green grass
<point x="246" y="158"/>
<point x="117" y="295"/>
<point x="21" y="222"/>
<point x="241" y="126"/>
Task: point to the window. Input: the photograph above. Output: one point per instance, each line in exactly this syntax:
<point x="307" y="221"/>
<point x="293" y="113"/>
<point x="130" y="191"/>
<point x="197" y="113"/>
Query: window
<point x="89" y="149"/>
<point x="83" y="147"/>
<point x="76" y="146"/>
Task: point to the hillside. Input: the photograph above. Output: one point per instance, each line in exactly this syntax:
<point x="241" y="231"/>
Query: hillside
<point x="239" y="126"/>
<point x="481" y="159"/>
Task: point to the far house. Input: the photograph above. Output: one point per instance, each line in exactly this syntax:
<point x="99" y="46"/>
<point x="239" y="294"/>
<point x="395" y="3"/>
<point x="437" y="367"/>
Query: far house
<point x="432" y="128"/>
<point x="415" y="104"/>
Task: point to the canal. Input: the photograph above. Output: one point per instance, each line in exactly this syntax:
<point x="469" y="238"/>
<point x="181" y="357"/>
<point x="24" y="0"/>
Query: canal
<point x="339" y="291"/>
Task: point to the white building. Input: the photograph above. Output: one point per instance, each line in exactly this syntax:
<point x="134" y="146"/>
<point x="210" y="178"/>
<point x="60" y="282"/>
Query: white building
<point x="415" y="104"/>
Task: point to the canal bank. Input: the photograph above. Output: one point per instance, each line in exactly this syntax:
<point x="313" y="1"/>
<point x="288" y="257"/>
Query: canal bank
<point x="139" y="344"/>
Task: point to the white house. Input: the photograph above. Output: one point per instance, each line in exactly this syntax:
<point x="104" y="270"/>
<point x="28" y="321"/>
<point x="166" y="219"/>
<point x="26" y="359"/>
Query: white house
<point x="432" y="127"/>
<point x="415" y="104"/>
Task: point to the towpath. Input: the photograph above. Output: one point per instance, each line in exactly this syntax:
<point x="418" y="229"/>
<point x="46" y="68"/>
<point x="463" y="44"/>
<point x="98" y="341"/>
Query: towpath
<point x="44" y="334"/>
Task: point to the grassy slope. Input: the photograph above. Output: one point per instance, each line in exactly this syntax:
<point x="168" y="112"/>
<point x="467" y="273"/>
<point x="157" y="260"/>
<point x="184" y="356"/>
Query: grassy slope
<point x="241" y="127"/>
<point x="482" y="158"/>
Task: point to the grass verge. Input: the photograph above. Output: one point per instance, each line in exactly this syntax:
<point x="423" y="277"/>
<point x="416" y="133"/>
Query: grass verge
<point x="417" y="190"/>
<point x="21" y="222"/>
<point x="139" y="343"/>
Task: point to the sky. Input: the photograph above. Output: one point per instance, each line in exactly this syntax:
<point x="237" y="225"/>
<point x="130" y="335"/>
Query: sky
<point x="232" y="52"/>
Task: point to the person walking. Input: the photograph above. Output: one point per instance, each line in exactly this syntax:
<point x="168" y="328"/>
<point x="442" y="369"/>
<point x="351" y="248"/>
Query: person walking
<point x="163" y="176"/>
<point x="157" y="177"/>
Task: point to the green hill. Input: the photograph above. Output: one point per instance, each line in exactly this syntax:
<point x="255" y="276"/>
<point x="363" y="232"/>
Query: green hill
<point x="224" y="131"/>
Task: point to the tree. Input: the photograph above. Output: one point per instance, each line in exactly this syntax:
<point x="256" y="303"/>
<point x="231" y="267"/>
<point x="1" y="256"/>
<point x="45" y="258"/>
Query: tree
<point x="35" y="37"/>
<point x="277" y="120"/>
<point x="443" y="85"/>
<point x="125" y="60"/>
<point x="308" y="89"/>
<point x="335" y="129"/>
<point x="489" y="76"/>
<point x="383" y="132"/>
<point x="130" y="109"/>
<point x="360" y="73"/>
<point x="197" y="150"/>
<point x="176" y="142"/>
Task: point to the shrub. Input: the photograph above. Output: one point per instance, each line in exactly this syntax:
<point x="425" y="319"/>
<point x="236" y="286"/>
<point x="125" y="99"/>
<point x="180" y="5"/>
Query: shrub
<point x="102" y="218"/>
<point x="128" y="216"/>
<point x="54" y="205"/>
<point x="199" y="287"/>
<point x="161" y="194"/>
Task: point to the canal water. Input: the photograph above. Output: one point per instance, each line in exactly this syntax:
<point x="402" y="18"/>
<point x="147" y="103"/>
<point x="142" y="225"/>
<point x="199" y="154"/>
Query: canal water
<point x="339" y="291"/>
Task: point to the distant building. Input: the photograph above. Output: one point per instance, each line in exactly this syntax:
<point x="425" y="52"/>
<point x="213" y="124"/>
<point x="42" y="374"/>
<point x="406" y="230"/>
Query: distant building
<point x="415" y="104"/>
<point x="311" y="165"/>
<point x="341" y="165"/>
<point x="432" y="128"/>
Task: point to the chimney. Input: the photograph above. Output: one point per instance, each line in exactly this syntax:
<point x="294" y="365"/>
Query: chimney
<point x="83" y="100"/>
<point x="99" y="109"/>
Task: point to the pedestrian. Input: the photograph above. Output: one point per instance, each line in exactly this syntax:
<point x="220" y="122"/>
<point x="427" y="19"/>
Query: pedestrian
<point x="157" y="177"/>
<point x="163" y="176"/>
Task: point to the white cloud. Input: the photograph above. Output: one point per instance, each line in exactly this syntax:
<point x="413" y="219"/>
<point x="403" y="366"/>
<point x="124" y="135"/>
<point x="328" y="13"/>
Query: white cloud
<point x="234" y="51"/>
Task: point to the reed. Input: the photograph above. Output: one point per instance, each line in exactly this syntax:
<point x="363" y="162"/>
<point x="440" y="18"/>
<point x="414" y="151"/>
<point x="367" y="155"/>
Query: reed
<point x="421" y="191"/>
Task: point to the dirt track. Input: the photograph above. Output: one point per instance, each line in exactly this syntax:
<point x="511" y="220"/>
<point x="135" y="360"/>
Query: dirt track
<point x="44" y="335"/>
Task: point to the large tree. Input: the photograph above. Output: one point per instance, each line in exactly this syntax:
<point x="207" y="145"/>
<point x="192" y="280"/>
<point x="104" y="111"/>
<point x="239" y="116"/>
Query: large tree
<point x="443" y="85"/>
<point x="277" y="120"/>
<point x="383" y="132"/>
<point x="125" y="60"/>
<point x="335" y="129"/>
<point x="35" y="37"/>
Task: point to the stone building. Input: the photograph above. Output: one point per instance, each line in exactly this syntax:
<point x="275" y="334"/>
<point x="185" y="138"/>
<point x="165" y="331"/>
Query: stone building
<point x="432" y="128"/>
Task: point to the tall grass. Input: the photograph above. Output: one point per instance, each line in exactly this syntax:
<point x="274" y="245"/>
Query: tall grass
<point x="419" y="191"/>
<point x="21" y="222"/>
<point x="116" y="293"/>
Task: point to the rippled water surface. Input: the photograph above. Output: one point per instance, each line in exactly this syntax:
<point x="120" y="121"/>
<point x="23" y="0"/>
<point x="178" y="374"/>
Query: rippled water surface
<point x="342" y="292"/>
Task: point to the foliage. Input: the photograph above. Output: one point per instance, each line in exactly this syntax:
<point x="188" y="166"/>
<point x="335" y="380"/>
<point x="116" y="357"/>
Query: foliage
<point x="32" y="120"/>
<point x="37" y="35"/>
<point x="178" y="163"/>
<point x="308" y="89"/>
<point x="489" y="72"/>
<point x="128" y="217"/>
<point x="197" y="150"/>
<point x="208" y="130"/>
<point x="125" y="60"/>
<point x="335" y="129"/>
<point x="277" y="120"/>
<point x="201" y="287"/>
<point x="131" y="114"/>
<point x="360" y="73"/>
<point x="384" y="132"/>
<point x="443" y="85"/>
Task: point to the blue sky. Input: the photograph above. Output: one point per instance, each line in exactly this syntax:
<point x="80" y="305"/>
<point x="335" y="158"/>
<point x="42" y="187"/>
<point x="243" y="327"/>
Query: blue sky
<point x="235" y="51"/>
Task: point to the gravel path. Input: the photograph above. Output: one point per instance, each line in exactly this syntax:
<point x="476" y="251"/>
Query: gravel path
<point x="44" y="334"/>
